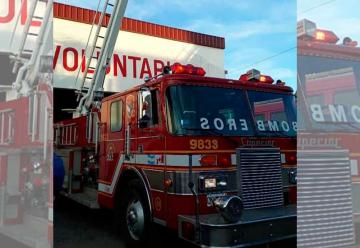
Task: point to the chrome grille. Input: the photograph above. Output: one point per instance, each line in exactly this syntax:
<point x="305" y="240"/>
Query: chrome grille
<point x="324" y="199"/>
<point x="260" y="177"/>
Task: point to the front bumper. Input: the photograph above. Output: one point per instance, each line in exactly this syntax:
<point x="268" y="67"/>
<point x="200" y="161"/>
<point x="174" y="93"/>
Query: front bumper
<point x="256" y="226"/>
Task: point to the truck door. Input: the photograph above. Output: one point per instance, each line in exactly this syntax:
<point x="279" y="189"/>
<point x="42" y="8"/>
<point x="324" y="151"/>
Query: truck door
<point x="118" y="131"/>
<point x="112" y="133"/>
<point x="150" y="147"/>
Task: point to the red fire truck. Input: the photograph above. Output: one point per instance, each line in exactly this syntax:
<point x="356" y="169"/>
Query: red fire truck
<point x="176" y="148"/>
<point x="213" y="159"/>
<point x="328" y="138"/>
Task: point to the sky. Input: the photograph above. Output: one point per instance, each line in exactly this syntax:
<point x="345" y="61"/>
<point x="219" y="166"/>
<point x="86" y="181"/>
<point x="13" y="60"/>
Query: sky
<point x="340" y="16"/>
<point x="258" y="34"/>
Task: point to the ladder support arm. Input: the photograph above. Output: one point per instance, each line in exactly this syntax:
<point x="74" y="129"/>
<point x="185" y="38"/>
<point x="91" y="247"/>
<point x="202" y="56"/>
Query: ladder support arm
<point x="106" y="52"/>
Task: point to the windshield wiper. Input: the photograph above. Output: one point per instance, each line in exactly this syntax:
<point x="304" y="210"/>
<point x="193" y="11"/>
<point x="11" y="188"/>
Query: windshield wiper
<point x="335" y="124"/>
<point x="211" y="131"/>
<point x="275" y="133"/>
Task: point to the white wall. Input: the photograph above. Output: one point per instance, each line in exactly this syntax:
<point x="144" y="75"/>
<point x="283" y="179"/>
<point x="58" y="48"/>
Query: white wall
<point x="71" y="37"/>
<point x="12" y="22"/>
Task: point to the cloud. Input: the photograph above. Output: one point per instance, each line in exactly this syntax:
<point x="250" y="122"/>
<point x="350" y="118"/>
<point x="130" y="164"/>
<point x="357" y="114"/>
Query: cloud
<point x="273" y="69"/>
<point x="81" y="3"/>
<point x="241" y="29"/>
<point x="342" y="17"/>
<point x="282" y="67"/>
<point x="282" y="73"/>
<point x="142" y="10"/>
<point x="156" y="7"/>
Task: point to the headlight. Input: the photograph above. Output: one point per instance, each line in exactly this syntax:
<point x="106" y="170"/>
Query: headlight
<point x="36" y="165"/>
<point x="212" y="183"/>
<point x="230" y="207"/>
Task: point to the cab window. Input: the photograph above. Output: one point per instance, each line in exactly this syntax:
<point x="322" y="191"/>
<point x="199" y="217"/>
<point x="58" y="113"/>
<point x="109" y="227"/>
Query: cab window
<point x="148" y="109"/>
<point x="116" y="116"/>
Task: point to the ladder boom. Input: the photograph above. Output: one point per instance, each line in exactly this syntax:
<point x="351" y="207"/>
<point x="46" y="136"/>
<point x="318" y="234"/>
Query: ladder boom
<point x="27" y="61"/>
<point x="104" y="58"/>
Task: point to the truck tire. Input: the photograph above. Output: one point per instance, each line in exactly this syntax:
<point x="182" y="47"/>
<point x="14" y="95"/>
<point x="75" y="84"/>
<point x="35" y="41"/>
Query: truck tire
<point x="134" y="215"/>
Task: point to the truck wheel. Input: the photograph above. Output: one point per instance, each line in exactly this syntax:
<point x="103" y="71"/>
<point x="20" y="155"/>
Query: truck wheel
<point x="135" y="215"/>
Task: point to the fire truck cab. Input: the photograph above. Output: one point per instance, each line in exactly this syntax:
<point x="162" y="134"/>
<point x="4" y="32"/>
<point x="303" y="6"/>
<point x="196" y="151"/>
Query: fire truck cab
<point x="328" y="150"/>
<point x="213" y="159"/>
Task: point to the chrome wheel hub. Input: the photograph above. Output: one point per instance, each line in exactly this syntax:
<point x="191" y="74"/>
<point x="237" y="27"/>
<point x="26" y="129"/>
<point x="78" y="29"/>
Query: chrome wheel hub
<point x="135" y="219"/>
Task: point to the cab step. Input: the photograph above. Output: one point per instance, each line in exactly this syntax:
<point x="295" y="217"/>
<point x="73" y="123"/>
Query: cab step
<point x="88" y="198"/>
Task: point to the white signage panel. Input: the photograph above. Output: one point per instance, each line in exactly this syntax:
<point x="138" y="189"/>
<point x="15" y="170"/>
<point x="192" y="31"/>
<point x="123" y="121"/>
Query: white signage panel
<point x="13" y="16"/>
<point x="136" y="56"/>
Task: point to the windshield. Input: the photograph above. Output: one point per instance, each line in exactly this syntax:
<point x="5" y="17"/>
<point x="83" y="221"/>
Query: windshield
<point x="329" y="88"/>
<point x="203" y="110"/>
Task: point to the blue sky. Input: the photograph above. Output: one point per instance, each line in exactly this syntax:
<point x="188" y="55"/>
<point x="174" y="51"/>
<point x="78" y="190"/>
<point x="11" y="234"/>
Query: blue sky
<point x="259" y="34"/>
<point x="340" y="16"/>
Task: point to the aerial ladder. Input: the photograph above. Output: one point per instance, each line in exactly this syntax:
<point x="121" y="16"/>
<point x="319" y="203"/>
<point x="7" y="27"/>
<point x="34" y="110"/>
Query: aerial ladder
<point x="29" y="61"/>
<point x="91" y="86"/>
<point x="98" y="52"/>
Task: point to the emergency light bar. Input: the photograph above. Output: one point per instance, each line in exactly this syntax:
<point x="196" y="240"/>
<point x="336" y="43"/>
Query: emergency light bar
<point x="349" y="42"/>
<point x="326" y="36"/>
<point x="255" y="75"/>
<point x="307" y="30"/>
<point x="178" y="68"/>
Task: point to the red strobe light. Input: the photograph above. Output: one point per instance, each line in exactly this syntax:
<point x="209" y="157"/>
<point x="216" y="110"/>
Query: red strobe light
<point x="189" y="69"/>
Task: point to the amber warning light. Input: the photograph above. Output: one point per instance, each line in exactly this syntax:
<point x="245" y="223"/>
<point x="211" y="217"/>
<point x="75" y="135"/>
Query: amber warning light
<point x="326" y="36"/>
<point x="255" y="75"/>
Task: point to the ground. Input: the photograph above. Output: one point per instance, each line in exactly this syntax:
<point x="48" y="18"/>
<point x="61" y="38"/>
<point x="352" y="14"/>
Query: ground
<point x="357" y="230"/>
<point x="76" y="226"/>
<point x="7" y="242"/>
<point x="79" y="227"/>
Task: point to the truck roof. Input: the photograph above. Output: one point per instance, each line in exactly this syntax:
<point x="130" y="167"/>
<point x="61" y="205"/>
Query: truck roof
<point x="321" y="49"/>
<point x="206" y="81"/>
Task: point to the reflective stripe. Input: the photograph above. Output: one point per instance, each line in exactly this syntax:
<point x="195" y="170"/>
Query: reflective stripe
<point x="51" y="215"/>
<point x="182" y="160"/>
<point x="233" y="159"/>
<point x="153" y="160"/>
<point x="168" y="160"/>
<point x="110" y="189"/>
<point x="149" y="159"/>
<point x="354" y="167"/>
<point x="283" y="158"/>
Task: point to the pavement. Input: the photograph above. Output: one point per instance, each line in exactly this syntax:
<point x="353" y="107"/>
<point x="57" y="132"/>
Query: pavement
<point x="76" y="226"/>
<point x="8" y="242"/>
<point x="357" y="231"/>
<point x="32" y="232"/>
<point x="79" y="227"/>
